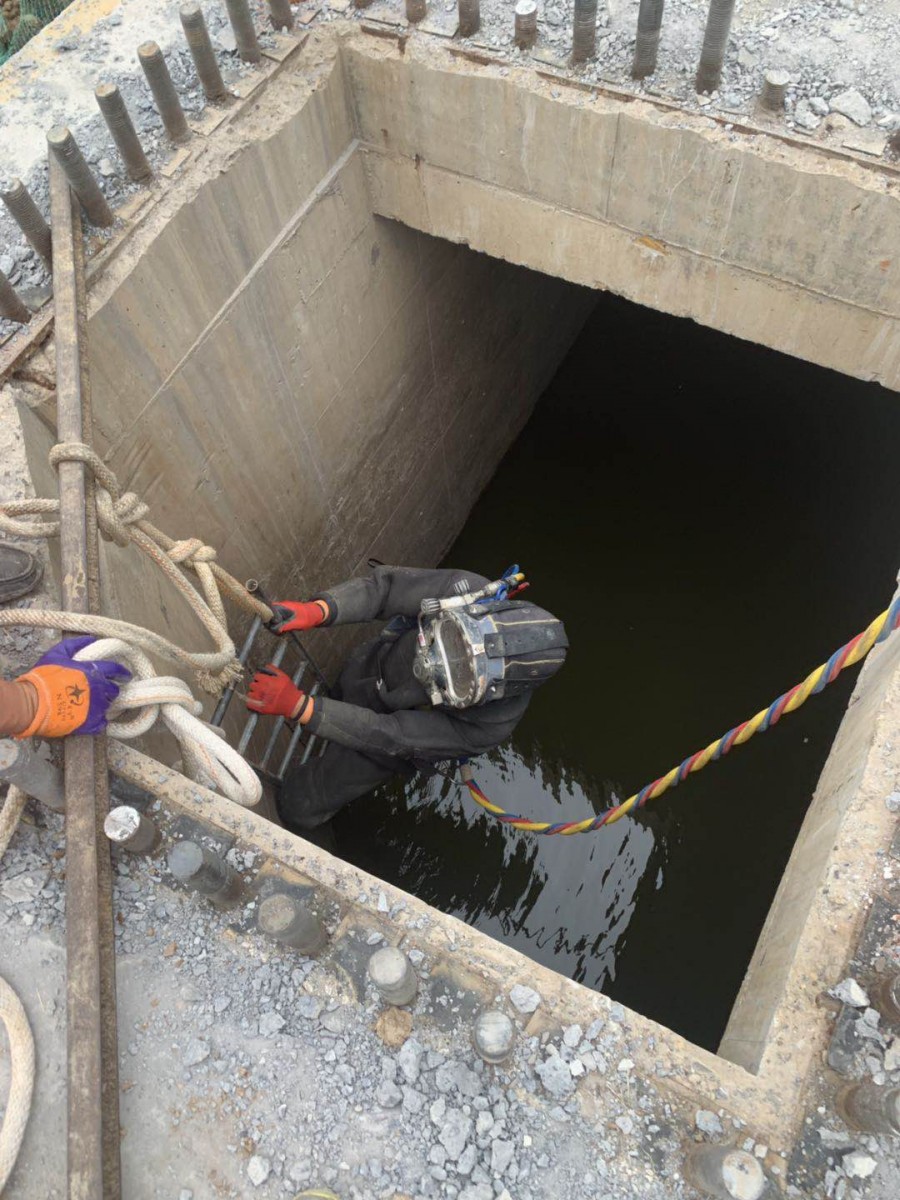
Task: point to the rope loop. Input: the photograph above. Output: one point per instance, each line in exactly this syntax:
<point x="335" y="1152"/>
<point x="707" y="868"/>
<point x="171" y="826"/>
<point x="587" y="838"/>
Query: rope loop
<point x="80" y="452"/>
<point x="122" y="518"/>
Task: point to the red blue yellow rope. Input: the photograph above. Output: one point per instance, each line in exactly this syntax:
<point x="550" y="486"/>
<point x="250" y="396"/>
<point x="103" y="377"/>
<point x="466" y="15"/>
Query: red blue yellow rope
<point x="853" y="652"/>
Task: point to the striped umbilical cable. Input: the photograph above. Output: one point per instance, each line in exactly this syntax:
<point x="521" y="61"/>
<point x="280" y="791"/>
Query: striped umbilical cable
<point x="853" y="652"/>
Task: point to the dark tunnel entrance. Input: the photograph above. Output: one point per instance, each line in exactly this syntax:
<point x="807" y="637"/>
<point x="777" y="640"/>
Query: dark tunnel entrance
<point x="709" y="518"/>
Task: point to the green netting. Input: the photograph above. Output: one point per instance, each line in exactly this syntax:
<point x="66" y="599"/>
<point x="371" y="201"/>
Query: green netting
<point x="33" y="16"/>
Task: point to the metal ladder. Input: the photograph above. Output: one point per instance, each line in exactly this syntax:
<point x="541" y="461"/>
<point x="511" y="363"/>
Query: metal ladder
<point x="305" y="663"/>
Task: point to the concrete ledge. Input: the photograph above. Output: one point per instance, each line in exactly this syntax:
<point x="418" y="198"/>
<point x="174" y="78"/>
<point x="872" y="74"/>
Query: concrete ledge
<point x="775" y="244"/>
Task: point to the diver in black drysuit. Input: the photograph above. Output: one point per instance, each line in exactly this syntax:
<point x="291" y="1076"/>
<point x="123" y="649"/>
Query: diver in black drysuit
<point x="379" y="721"/>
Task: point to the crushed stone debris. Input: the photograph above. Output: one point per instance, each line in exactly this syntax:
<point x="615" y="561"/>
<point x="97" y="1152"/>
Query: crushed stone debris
<point x="524" y="999"/>
<point x="859" y="1165"/>
<point x="708" y="1122"/>
<point x="849" y="992"/>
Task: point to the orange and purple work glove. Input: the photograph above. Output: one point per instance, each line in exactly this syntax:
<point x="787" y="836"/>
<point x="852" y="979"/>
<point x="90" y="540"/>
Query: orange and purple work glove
<point x="298" y="614"/>
<point x="72" y="697"/>
<point x="272" y="692"/>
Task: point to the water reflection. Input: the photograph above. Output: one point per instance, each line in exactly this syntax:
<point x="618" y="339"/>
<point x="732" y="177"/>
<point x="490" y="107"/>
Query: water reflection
<point x="564" y="901"/>
<point x="690" y="514"/>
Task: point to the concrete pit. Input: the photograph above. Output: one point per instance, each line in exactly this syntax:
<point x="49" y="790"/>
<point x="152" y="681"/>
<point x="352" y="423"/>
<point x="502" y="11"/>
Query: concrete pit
<point x="349" y="288"/>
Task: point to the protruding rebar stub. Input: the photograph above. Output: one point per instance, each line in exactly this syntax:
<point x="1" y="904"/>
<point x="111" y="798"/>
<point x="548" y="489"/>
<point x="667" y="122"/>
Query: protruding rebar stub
<point x="28" y="217"/>
<point x="584" y="30"/>
<point x="81" y="179"/>
<point x="393" y="976"/>
<point x="715" y="40"/>
<point x="774" y="90"/>
<point x="646" y="46"/>
<point x="163" y="89"/>
<point x="886" y="997"/>
<point x="130" y="830"/>
<point x="29" y="765"/>
<point x="206" y="872"/>
<point x="12" y="306"/>
<point x="469" y="17"/>
<point x="119" y="123"/>
<point x="724" y="1172"/>
<point x="281" y="14"/>
<point x="871" y="1108"/>
<point x="290" y="922"/>
<point x="525" y="32"/>
<point x="244" y="34"/>
<point x="416" y="10"/>
<point x="494" y="1035"/>
<point x="201" y="48"/>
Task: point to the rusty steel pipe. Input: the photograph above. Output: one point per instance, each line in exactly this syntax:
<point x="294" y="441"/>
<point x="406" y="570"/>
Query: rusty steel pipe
<point x="28" y="217"/>
<point x="416" y="10"/>
<point x="94" y="1168"/>
<point x="119" y="123"/>
<point x="166" y="98"/>
<point x="244" y="34"/>
<point x="201" y="48"/>
<point x="12" y="307"/>
<point x="79" y="175"/>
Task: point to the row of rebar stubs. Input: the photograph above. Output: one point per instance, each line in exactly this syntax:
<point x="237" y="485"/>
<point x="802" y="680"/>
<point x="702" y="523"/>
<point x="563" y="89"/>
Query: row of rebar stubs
<point x="61" y="142"/>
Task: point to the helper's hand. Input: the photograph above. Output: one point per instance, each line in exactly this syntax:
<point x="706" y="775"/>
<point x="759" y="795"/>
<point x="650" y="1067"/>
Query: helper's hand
<point x="298" y="614"/>
<point x="271" y="691"/>
<point x="72" y="697"/>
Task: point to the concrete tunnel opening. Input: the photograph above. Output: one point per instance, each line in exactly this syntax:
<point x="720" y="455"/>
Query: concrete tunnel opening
<point x="698" y="556"/>
<point x="525" y="419"/>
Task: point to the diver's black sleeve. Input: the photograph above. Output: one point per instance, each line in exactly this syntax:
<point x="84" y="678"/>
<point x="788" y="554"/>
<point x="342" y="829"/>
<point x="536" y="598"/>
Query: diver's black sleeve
<point x="393" y="592"/>
<point x="432" y="735"/>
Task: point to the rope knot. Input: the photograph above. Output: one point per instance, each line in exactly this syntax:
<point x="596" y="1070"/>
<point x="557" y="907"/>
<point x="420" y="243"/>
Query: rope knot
<point x="191" y="550"/>
<point x="114" y="515"/>
<point x="130" y="509"/>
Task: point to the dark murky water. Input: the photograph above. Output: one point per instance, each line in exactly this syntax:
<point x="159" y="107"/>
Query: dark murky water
<point x="711" y="520"/>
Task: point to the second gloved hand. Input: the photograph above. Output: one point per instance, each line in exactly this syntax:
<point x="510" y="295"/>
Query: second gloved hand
<point x="298" y="614"/>
<point x="272" y="692"/>
<point x="72" y="696"/>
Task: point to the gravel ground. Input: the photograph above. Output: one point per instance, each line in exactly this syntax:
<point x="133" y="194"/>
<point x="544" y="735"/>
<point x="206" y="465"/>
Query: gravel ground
<point x="829" y="47"/>
<point x="63" y="95"/>
<point x="841" y="56"/>
<point x="248" y="1069"/>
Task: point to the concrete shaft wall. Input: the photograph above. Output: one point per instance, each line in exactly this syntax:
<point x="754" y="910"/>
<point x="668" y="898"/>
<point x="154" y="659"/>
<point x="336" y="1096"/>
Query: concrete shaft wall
<point x="773" y="243"/>
<point x="298" y="382"/>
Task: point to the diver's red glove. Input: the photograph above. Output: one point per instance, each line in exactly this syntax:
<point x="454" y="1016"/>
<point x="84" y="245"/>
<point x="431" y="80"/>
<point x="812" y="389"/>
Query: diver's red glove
<point x="298" y="614"/>
<point x="272" y="692"/>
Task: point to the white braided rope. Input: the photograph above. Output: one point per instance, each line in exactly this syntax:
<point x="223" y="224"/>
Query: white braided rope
<point x="18" y="1031"/>
<point x="21" y="1077"/>
<point x="147" y="697"/>
<point x="207" y="756"/>
<point x="122" y="518"/>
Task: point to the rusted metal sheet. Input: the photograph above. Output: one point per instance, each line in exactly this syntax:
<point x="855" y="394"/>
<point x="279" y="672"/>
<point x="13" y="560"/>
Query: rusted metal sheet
<point x="93" y="1125"/>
